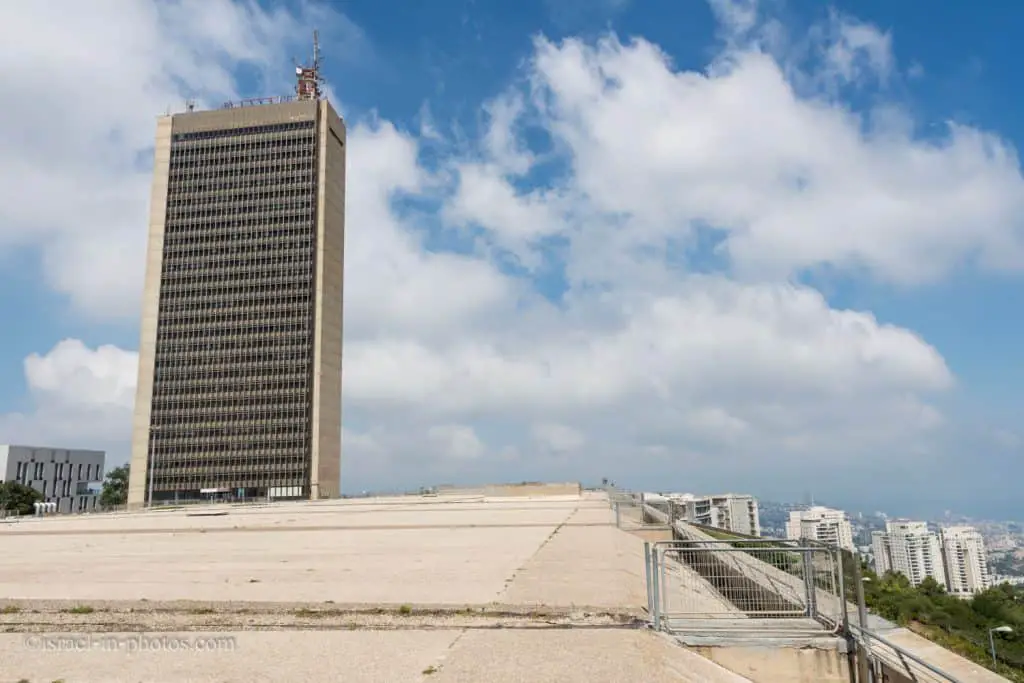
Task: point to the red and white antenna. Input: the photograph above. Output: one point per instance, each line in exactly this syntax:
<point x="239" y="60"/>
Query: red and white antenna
<point x="310" y="82"/>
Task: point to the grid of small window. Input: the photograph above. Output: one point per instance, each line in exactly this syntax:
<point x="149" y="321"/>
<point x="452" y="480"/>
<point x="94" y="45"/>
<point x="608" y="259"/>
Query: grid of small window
<point x="233" y="370"/>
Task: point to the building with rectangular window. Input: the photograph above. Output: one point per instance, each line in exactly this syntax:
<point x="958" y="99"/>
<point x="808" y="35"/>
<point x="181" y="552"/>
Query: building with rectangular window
<point x="966" y="560"/>
<point x="821" y="524"/>
<point x="733" y="512"/>
<point x="909" y="548"/>
<point x="239" y="387"/>
<point x="69" y="477"/>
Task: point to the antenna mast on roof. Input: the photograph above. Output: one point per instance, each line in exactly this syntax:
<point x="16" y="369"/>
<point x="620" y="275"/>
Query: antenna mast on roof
<point x="310" y="82"/>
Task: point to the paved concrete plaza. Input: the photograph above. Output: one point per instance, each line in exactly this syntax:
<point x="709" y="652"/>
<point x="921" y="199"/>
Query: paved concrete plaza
<point x="444" y="656"/>
<point x="449" y="589"/>
<point x="384" y="551"/>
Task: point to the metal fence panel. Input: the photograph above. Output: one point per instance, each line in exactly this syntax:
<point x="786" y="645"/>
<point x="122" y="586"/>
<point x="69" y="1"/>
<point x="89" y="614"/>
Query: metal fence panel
<point x="720" y="579"/>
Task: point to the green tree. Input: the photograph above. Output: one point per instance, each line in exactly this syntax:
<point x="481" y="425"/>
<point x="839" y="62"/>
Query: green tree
<point x="18" y="498"/>
<point x="961" y="625"/>
<point x="115" y="487"/>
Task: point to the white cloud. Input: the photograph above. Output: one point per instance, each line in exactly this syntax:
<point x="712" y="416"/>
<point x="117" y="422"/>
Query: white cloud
<point x="79" y="396"/>
<point x="451" y="364"/>
<point x="89" y="79"/>
<point x="557" y="438"/>
<point x="456" y="441"/>
<point x="790" y="183"/>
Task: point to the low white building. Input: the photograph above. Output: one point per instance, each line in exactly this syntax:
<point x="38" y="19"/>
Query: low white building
<point x="966" y="560"/>
<point x="71" y="478"/>
<point x="909" y="548"/>
<point x="735" y="512"/>
<point x="822" y="524"/>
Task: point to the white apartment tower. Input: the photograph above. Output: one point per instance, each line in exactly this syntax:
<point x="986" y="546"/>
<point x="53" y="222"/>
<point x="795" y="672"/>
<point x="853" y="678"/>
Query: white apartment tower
<point x="908" y="548"/>
<point x="966" y="561"/>
<point x="733" y="512"/>
<point x="821" y="524"/>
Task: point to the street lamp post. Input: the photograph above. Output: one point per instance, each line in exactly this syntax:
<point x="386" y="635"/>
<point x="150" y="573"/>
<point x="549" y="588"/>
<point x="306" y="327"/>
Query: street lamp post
<point x="866" y="666"/>
<point x="992" y="640"/>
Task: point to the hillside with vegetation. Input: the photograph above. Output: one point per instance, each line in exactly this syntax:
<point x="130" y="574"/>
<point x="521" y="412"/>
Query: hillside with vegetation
<point x="959" y="625"/>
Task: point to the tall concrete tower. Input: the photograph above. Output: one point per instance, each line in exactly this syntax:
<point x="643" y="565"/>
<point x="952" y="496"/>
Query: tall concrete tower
<point x="239" y="388"/>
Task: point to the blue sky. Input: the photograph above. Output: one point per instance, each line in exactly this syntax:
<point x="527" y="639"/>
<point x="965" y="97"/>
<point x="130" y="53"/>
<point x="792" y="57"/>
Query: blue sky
<point x="771" y="247"/>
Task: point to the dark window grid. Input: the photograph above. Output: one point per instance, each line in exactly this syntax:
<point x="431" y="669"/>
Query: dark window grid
<point x="238" y="227"/>
<point x="264" y="318"/>
<point x="228" y="266"/>
<point x="281" y="302"/>
<point x="280" y="186"/>
<point x="222" y="133"/>
<point x="234" y="411"/>
<point x="181" y="182"/>
<point x="176" y="398"/>
<point x="183" y="157"/>
<point x="224" y="294"/>
<point x="272" y="435"/>
<point x="211" y="226"/>
<point x="281" y="442"/>
<point x="223" y="181"/>
<point x="190" y="388"/>
<point x="268" y="276"/>
<point x="211" y="338"/>
<point x="242" y="143"/>
<point x="205" y="280"/>
<point x="236" y="353"/>
<point x="242" y="357"/>
<point x="245" y="147"/>
<point x="198" y="169"/>
<point x="224" y="239"/>
<point x="246" y="151"/>
<point x="230" y="404"/>
<point x="195" y="257"/>
<point x="257" y="240"/>
<point x="179" y="430"/>
<point x="220" y="290"/>
<point x="280" y="437"/>
<point x="211" y="369"/>
<point x="277" y="372"/>
<point x="256" y="199"/>
<point x="213" y="356"/>
<point x="255" y="205"/>
<point x="228" y="231"/>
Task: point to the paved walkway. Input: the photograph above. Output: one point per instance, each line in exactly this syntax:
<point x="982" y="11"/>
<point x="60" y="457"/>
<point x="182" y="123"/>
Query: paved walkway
<point x="522" y="589"/>
<point x="444" y="656"/>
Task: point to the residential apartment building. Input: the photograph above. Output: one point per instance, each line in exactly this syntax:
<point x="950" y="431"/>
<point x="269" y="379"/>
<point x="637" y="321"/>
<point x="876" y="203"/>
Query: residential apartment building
<point x="69" y="477"/>
<point x="239" y="385"/>
<point x="909" y="548"/>
<point x="821" y="524"/>
<point x="733" y="512"/>
<point x="966" y="560"/>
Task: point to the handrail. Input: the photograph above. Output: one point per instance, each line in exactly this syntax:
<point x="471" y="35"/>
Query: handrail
<point x="902" y="652"/>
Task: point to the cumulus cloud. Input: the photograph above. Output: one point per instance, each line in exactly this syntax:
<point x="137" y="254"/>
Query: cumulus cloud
<point x="79" y="395"/>
<point x="677" y="207"/>
<point x="89" y="79"/>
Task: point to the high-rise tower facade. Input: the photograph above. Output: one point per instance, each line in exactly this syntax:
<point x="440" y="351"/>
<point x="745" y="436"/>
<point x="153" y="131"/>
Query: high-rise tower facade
<point x="239" y="387"/>
<point x="963" y="550"/>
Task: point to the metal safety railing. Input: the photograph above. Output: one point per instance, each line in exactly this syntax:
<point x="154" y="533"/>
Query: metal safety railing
<point x="883" y="656"/>
<point x="706" y="585"/>
<point x="701" y="580"/>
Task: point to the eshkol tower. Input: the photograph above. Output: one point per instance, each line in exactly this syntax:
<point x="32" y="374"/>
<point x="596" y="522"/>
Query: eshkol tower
<point x="239" y="386"/>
